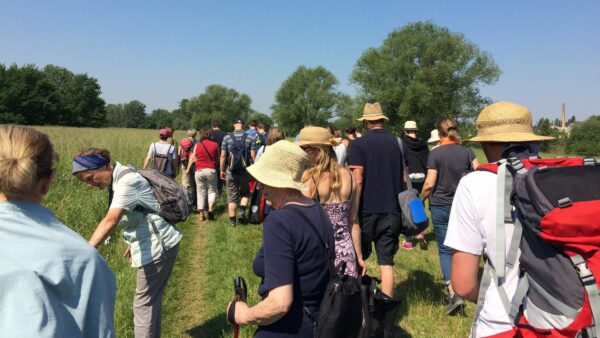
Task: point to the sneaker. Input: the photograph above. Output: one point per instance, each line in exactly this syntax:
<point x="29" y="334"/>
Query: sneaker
<point x="211" y="216"/>
<point x="407" y="245"/>
<point x="455" y="305"/>
<point x="232" y="222"/>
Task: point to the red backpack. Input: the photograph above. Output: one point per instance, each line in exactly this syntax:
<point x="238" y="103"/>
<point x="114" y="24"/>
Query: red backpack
<point x="556" y="221"/>
<point x="186" y="147"/>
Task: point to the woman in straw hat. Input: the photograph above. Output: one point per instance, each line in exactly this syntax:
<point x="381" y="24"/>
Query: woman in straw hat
<point x="291" y="262"/>
<point x="52" y="283"/>
<point x="333" y="188"/>
<point x="446" y="165"/>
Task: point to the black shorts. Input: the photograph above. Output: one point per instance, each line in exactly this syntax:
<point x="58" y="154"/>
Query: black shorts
<point x="384" y="231"/>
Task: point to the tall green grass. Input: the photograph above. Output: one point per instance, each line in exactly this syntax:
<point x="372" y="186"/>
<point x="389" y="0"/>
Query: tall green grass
<point x="201" y="285"/>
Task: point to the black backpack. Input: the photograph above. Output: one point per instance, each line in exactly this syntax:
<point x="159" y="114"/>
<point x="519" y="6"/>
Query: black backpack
<point x="239" y="157"/>
<point x="171" y="196"/>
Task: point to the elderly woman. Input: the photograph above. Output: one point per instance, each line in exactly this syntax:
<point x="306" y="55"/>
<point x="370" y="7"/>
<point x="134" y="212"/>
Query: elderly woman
<point x="153" y="243"/>
<point x="52" y="283"/>
<point x="204" y="157"/>
<point x="333" y="187"/>
<point x="291" y="261"/>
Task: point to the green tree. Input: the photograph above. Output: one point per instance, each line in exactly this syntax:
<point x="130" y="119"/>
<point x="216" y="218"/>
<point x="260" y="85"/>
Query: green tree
<point x="79" y="98"/>
<point x="261" y="118"/>
<point x="27" y="96"/>
<point x="585" y="137"/>
<point x="308" y="96"/>
<point x="347" y="110"/>
<point x="216" y="103"/>
<point x="128" y="115"/>
<point x="159" y="118"/>
<point x="423" y="71"/>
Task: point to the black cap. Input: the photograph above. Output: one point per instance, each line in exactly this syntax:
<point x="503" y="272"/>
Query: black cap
<point x="238" y="120"/>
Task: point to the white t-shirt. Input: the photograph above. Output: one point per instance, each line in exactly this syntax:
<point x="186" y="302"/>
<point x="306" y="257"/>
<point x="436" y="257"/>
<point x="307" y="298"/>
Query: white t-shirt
<point x="341" y="152"/>
<point x="472" y="229"/>
<point x="164" y="149"/>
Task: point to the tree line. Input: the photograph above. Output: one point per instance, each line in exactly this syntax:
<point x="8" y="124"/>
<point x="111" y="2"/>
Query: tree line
<point x="420" y="72"/>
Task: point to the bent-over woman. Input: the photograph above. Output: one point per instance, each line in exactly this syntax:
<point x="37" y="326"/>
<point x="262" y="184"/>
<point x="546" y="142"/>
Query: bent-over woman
<point x="291" y="262"/>
<point x="153" y="243"/>
<point x="52" y="283"/>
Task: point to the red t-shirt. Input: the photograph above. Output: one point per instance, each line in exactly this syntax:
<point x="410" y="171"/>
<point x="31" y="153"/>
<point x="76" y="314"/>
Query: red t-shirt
<point x="203" y="160"/>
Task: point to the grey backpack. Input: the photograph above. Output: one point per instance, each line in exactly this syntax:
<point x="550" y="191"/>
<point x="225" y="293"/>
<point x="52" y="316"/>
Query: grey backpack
<point x="171" y="196"/>
<point x="158" y="161"/>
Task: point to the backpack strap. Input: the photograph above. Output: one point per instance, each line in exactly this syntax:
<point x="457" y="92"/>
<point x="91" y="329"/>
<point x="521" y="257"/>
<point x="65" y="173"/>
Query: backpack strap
<point x="589" y="282"/>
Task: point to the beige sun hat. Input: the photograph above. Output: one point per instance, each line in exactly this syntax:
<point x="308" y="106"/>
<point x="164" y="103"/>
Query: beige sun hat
<point x="410" y="125"/>
<point x="281" y="166"/>
<point x="506" y="122"/>
<point x="435" y="136"/>
<point x="372" y="112"/>
<point x="314" y="136"/>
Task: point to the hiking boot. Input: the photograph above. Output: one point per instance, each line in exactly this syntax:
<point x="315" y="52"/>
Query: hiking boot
<point x="456" y="305"/>
<point x="232" y="221"/>
<point x="211" y="216"/>
<point x="242" y="218"/>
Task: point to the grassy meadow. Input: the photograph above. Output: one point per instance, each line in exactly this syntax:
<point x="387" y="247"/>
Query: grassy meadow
<point x="212" y="253"/>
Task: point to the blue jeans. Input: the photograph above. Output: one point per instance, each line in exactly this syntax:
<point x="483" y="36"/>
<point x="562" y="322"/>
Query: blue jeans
<point x="439" y="217"/>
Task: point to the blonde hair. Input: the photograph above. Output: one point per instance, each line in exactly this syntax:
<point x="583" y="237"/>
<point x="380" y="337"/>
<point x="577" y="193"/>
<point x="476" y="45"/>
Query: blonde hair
<point x="447" y="128"/>
<point x="26" y="156"/>
<point x="326" y="162"/>
<point x="94" y="151"/>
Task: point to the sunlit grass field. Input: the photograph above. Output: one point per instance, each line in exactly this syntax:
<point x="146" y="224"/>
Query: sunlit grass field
<point x="212" y="253"/>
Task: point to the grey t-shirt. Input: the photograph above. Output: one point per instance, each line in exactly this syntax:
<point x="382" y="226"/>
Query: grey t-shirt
<point x="451" y="161"/>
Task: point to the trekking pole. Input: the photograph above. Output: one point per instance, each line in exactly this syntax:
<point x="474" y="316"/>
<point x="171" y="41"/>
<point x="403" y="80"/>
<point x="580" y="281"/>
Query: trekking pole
<point x="241" y="292"/>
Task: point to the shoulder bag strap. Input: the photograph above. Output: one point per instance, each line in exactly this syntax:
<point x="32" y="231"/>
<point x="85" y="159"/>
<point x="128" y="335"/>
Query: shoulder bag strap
<point x="207" y="153"/>
<point x="404" y="165"/>
<point x="316" y="189"/>
<point x="323" y="239"/>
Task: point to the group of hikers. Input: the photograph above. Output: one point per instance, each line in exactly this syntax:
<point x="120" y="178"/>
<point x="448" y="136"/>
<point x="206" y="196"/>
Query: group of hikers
<point x="329" y="200"/>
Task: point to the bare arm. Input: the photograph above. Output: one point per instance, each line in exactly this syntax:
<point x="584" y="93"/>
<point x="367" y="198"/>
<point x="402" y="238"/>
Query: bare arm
<point x="429" y="183"/>
<point x="475" y="164"/>
<point x="105" y="226"/>
<point x="271" y="309"/>
<point x="253" y="155"/>
<point x="147" y="160"/>
<point x="191" y="160"/>
<point x="353" y="224"/>
<point x="222" y="164"/>
<point x="465" y="267"/>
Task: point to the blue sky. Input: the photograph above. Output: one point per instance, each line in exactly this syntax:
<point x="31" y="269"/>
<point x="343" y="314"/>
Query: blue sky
<point x="160" y="52"/>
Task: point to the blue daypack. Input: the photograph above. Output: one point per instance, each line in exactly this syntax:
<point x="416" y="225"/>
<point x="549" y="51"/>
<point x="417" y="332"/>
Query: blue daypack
<point x="239" y="156"/>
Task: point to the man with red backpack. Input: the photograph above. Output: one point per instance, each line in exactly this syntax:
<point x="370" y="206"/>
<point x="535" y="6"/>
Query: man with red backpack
<point x="537" y="224"/>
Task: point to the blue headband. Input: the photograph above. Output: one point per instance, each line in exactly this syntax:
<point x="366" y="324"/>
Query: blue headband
<point x="88" y="162"/>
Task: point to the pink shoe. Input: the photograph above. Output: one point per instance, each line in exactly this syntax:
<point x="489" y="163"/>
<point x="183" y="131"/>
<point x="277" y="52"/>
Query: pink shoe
<point x="407" y="245"/>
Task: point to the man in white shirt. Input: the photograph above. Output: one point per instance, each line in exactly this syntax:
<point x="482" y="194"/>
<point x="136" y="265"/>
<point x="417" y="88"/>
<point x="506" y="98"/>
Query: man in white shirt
<point x="504" y="130"/>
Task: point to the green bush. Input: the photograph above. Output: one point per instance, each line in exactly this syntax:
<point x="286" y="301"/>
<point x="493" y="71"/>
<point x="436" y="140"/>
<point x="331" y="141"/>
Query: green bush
<point x="585" y="137"/>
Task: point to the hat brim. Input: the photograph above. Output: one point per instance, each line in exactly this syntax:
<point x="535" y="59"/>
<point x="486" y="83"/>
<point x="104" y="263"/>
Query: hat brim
<point x="372" y="118"/>
<point x="312" y="143"/>
<point x="432" y="140"/>
<point x="510" y="137"/>
<point x="272" y="178"/>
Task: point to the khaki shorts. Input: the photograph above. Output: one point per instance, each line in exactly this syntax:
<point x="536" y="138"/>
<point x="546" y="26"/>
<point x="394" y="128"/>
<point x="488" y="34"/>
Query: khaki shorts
<point x="237" y="186"/>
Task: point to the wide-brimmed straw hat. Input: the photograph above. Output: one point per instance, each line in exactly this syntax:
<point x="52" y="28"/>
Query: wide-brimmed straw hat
<point x="410" y="125"/>
<point x="506" y="122"/>
<point x="281" y="166"/>
<point x="314" y="136"/>
<point x="372" y="112"/>
<point x="435" y="136"/>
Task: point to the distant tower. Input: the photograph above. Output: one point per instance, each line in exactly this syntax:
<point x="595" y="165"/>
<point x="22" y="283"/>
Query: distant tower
<point x="564" y="126"/>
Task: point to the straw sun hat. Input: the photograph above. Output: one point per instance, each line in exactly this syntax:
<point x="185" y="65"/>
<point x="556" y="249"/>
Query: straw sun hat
<point x="435" y="136"/>
<point x="281" y="166"/>
<point x="314" y="136"/>
<point x="410" y="125"/>
<point x="506" y="122"/>
<point x="372" y="112"/>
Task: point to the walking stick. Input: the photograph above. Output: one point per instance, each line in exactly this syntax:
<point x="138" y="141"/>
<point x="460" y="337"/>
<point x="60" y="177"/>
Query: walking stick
<point x="241" y="292"/>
